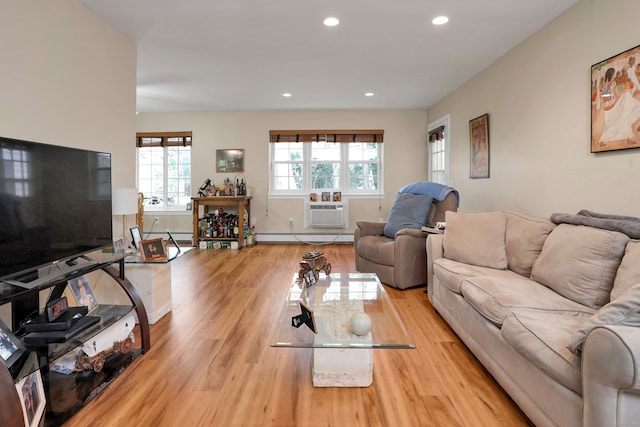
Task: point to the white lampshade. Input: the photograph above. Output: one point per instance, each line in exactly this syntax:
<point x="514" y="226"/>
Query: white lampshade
<point x="125" y="201"/>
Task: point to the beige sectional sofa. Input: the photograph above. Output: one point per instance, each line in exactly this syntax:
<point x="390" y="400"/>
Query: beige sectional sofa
<point x="523" y="293"/>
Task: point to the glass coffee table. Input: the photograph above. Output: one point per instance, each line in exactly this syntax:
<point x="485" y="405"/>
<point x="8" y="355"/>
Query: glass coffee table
<point x="340" y="357"/>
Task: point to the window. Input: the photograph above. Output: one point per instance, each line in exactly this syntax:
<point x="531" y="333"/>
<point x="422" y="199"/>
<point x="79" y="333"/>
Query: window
<point x="164" y="168"/>
<point x="304" y="162"/>
<point x="17" y="171"/>
<point x="439" y="151"/>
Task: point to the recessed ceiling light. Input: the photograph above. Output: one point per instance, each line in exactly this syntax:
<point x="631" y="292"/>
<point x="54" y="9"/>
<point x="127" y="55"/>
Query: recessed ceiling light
<point x="369" y="94"/>
<point x="286" y="95"/>
<point x="440" y="20"/>
<point x="331" y="21"/>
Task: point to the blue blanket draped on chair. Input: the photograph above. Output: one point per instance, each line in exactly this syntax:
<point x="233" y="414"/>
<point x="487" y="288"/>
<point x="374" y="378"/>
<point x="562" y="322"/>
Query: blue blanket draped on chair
<point x="433" y="189"/>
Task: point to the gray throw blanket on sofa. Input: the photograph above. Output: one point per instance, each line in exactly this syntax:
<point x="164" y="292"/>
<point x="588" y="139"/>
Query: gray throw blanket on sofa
<point x="624" y="224"/>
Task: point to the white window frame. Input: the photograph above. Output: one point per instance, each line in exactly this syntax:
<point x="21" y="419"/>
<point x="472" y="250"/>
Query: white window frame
<point x="442" y="121"/>
<point x="344" y="174"/>
<point x="156" y="208"/>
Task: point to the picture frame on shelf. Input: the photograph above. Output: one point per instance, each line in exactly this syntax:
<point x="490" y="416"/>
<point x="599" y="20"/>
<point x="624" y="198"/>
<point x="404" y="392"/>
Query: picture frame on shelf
<point x="326" y="196"/>
<point x="11" y="348"/>
<point x="118" y="245"/>
<point x="153" y="249"/>
<point x="337" y="196"/>
<point x="229" y="161"/>
<point x="82" y="292"/>
<point x="136" y="236"/>
<point x="479" y="146"/>
<point x="313" y="197"/>
<point x="30" y="390"/>
<point x="615" y="102"/>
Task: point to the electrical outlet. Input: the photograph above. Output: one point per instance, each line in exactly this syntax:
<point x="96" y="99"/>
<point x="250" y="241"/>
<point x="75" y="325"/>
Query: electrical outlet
<point x="291" y="221"/>
<point x="156" y="220"/>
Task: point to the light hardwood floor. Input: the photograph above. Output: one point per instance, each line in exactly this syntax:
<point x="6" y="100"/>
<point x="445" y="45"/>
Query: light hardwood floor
<point x="211" y="363"/>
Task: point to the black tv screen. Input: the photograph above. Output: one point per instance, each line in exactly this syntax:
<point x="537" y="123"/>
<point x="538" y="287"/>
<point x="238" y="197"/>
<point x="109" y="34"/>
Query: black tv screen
<point x="55" y="204"/>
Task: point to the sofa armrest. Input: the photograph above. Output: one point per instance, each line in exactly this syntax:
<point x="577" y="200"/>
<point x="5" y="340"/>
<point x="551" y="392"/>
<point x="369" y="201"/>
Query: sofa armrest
<point x="611" y="376"/>
<point x="435" y="250"/>
<point x="370" y="228"/>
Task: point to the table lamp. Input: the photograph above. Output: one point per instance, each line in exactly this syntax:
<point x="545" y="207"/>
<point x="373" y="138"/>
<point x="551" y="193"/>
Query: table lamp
<point x="125" y="202"/>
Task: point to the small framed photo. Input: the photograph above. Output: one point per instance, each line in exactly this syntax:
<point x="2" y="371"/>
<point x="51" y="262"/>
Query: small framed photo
<point x="83" y="293"/>
<point x="136" y="236"/>
<point x="118" y="245"/>
<point x="337" y="196"/>
<point x="313" y="197"/>
<point x="10" y="346"/>
<point x="31" y="393"/>
<point x="326" y="196"/>
<point x="153" y="249"/>
<point x="229" y="161"/>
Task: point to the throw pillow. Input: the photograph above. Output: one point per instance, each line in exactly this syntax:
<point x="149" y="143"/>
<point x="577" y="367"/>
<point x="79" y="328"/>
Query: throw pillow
<point x="476" y="239"/>
<point x="524" y="238"/>
<point x="580" y="263"/>
<point x="408" y="211"/>
<point x="628" y="273"/>
<point x="625" y="310"/>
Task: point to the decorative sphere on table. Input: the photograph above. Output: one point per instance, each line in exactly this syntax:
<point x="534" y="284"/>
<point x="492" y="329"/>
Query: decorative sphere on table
<point x="360" y="323"/>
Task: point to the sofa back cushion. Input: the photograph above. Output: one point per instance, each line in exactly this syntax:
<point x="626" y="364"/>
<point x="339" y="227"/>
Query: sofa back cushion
<point x="629" y="271"/>
<point x="524" y="238"/>
<point x="580" y="262"/>
<point x="476" y="239"/>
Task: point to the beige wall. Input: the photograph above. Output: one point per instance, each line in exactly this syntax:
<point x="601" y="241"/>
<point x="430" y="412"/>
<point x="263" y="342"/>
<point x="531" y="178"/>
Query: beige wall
<point x="404" y="155"/>
<point x="68" y="78"/>
<point x="538" y="100"/>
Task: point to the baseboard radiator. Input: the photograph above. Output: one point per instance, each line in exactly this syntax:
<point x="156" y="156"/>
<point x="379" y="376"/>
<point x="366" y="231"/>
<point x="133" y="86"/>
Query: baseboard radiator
<point x="326" y="214"/>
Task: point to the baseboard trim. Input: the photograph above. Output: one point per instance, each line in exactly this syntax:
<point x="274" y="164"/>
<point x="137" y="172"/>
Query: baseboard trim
<point x="305" y="238"/>
<point x="314" y="238"/>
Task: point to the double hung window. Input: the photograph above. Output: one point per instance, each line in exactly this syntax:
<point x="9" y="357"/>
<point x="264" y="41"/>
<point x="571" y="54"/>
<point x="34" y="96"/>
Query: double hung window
<point x="164" y="168"/>
<point x="304" y="162"/>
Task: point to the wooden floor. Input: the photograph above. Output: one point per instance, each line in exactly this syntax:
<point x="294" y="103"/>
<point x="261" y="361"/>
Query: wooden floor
<point x="211" y="363"/>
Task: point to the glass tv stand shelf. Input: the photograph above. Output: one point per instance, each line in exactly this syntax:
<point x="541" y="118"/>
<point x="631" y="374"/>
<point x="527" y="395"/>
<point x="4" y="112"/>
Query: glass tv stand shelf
<point x="340" y="357"/>
<point x="65" y="394"/>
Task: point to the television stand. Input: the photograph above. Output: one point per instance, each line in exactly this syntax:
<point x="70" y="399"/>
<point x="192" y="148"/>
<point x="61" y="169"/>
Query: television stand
<point x="55" y="270"/>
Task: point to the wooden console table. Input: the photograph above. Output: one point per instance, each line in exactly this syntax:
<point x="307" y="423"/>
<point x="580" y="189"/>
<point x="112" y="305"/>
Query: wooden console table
<point x="240" y="203"/>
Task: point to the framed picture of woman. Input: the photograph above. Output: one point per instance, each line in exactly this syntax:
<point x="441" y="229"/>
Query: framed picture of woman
<point x="615" y="102"/>
<point x="479" y="139"/>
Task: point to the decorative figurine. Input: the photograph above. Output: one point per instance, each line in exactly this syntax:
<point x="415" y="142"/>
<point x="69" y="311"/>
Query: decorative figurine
<point x="314" y="261"/>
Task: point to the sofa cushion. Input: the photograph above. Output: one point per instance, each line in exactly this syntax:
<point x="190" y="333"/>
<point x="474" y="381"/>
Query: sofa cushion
<point x="580" y="262"/>
<point x="541" y="337"/>
<point x="624" y="310"/>
<point x="524" y="238"/>
<point x="408" y="211"/>
<point x="476" y="239"/>
<point x="497" y="297"/>
<point x="629" y="271"/>
<point x="452" y="273"/>
<point x="377" y="249"/>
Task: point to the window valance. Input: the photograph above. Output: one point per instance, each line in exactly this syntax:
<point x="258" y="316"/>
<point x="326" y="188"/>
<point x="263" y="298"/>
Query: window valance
<point x="163" y="139"/>
<point x="346" y="136"/>
<point x="436" y="134"/>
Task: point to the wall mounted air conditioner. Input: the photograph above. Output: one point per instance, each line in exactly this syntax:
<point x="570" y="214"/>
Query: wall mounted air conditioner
<point x="326" y="214"/>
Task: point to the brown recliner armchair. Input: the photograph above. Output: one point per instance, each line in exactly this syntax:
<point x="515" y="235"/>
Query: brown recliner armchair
<point x="401" y="261"/>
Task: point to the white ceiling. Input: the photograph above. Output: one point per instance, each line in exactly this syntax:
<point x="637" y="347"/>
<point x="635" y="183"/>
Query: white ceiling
<point x="208" y="55"/>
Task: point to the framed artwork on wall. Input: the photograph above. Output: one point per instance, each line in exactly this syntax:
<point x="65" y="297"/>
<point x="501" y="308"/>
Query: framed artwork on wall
<point x="479" y="140"/>
<point x="229" y="161"/>
<point x="615" y="102"/>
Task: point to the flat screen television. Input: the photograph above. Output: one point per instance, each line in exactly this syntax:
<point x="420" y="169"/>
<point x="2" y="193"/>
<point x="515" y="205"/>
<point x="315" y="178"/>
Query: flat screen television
<point x="55" y="205"/>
